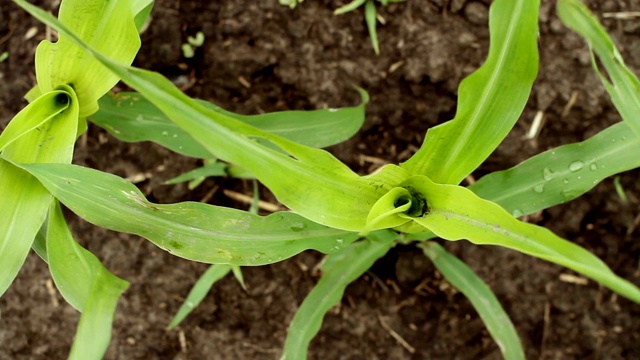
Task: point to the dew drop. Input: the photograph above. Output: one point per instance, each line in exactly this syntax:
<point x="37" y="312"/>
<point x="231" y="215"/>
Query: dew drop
<point x="575" y="166"/>
<point x="140" y="118"/>
<point x="539" y="188"/>
<point x="565" y="181"/>
<point x="593" y="167"/>
<point x="517" y="213"/>
<point x="332" y="110"/>
<point x="340" y="241"/>
<point x="547" y="174"/>
<point x="165" y="133"/>
<point x="298" y="227"/>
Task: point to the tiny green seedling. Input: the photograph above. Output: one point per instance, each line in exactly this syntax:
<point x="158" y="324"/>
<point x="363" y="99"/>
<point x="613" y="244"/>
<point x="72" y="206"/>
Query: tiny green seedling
<point x="290" y="3"/>
<point x="370" y="16"/>
<point x="189" y="48"/>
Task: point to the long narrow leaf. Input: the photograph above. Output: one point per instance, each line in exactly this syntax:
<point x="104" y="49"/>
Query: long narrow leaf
<point x="340" y="270"/>
<point x="558" y="175"/>
<point x="370" y="17"/>
<point x="456" y="213"/>
<point x="24" y="200"/>
<point x="94" y="330"/>
<point x="199" y="291"/>
<point x="86" y="284"/>
<point x="489" y="101"/>
<point x="482" y="298"/>
<point x="191" y="230"/>
<point x="621" y="84"/>
<point x="309" y="181"/>
<point x="130" y="117"/>
<point x="561" y="174"/>
<point x="348" y="7"/>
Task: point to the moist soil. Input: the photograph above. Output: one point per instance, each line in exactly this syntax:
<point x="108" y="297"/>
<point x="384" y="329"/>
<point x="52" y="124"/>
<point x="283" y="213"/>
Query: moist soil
<point x="262" y="57"/>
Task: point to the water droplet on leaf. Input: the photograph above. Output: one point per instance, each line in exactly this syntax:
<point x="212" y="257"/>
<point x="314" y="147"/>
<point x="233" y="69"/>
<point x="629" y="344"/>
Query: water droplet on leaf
<point x="298" y="227"/>
<point x="575" y="166"/>
<point x="539" y="188"/>
<point x="593" y="167"/>
<point x="547" y="174"/>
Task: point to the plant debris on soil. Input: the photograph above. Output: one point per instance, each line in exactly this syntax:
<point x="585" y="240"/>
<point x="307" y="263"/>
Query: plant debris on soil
<point x="262" y="57"/>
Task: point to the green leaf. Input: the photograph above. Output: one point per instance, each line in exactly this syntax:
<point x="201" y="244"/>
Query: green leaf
<point x="561" y="174"/>
<point x="106" y="25"/>
<point x="370" y="14"/>
<point x="199" y="291"/>
<point x="130" y="117"/>
<point x="489" y="101"/>
<point x="34" y="115"/>
<point x="141" y="9"/>
<point x="456" y="213"/>
<point x="482" y="298"/>
<point x="85" y="284"/>
<point x="191" y="230"/>
<point x="24" y="200"/>
<point x="348" y="7"/>
<point x="323" y="189"/>
<point x="340" y="270"/>
<point x="547" y="179"/>
<point x="385" y="213"/>
<point x="94" y="330"/>
<point x="211" y="169"/>
<point x="621" y="84"/>
<point x="237" y="273"/>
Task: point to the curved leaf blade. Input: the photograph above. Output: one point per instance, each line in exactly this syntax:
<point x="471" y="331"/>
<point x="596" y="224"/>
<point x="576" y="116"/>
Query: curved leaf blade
<point x="456" y="213"/>
<point x="85" y="284"/>
<point x="34" y="115"/>
<point x="490" y="100"/>
<point x="191" y="230"/>
<point x="622" y="85"/>
<point x="463" y="278"/>
<point x="24" y="200"/>
<point x="130" y="117"/>
<point x="109" y="27"/>
<point x="561" y="174"/>
<point x="340" y="270"/>
<point x="199" y="291"/>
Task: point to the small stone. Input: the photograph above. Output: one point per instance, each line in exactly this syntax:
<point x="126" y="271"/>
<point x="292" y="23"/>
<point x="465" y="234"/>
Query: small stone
<point x="457" y="5"/>
<point x="476" y="13"/>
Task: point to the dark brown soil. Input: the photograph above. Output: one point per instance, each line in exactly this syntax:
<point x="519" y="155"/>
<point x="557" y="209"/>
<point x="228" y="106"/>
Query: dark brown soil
<point x="305" y="59"/>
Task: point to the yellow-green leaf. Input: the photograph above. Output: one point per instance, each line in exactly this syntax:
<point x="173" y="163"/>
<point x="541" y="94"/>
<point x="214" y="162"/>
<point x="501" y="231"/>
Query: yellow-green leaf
<point x="107" y="26"/>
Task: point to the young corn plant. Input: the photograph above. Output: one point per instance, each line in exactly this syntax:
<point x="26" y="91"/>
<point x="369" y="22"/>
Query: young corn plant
<point x="69" y="84"/>
<point x="72" y="86"/>
<point x="356" y="219"/>
<point x="370" y="16"/>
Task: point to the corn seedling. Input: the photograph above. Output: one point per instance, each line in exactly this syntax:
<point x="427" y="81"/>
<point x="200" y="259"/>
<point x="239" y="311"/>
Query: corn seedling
<point x="370" y="16"/>
<point x="353" y="219"/>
